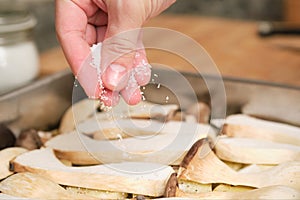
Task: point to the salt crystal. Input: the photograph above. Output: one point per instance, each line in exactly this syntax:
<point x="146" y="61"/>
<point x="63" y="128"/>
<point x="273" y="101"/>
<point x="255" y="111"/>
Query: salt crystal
<point x="167" y="99"/>
<point x="96" y="54"/>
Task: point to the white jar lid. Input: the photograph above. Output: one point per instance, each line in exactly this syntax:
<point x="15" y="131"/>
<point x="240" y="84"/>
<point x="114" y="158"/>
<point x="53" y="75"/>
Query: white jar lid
<point x="15" y="20"/>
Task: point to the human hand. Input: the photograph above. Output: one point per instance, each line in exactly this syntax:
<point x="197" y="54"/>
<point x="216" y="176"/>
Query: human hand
<point x="116" y="23"/>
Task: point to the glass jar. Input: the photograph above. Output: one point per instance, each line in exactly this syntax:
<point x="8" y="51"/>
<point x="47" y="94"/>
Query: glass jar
<point x="19" y="59"/>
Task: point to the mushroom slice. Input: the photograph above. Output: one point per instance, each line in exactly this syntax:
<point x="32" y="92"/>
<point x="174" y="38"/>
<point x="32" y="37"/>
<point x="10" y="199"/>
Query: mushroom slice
<point x="249" y="127"/>
<point x="143" y="110"/>
<point x="254" y="168"/>
<point x="271" y="192"/>
<point x="130" y="177"/>
<point x="6" y="155"/>
<point x="235" y="166"/>
<point x="193" y="187"/>
<point x="99" y="194"/>
<point x="29" y="185"/>
<point x="77" y="113"/>
<point x="230" y="188"/>
<point x="168" y="145"/>
<point x="203" y="166"/>
<point x="10" y="197"/>
<point x="120" y="129"/>
<point x="201" y="111"/>
<point x="252" y="151"/>
<point x="171" y="186"/>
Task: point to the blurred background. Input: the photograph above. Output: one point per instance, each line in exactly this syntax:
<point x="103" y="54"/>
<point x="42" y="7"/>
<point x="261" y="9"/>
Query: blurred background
<point x="227" y="29"/>
<point x="260" y="10"/>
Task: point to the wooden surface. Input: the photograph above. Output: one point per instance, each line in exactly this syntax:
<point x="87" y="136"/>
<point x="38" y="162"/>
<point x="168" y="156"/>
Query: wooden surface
<point x="234" y="46"/>
<point x="291" y="8"/>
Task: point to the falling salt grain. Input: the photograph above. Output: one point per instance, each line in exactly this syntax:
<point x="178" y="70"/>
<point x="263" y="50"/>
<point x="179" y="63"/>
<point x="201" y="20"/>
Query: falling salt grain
<point x="155" y="75"/>
<point x="158" y="86"/>
<point x="167" y="99"/>
<point x="119" y="136"/>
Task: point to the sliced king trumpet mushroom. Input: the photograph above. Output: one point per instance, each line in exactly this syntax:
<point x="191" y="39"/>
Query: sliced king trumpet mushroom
<point x="77" y="113"/>
<point x="173" y="191"/>
<point x="203" y="166"/>
<point x="87" y="108"/>
<point x="10" y="197"/>
<point x="148" y="179"/>
<point x="271" y="192"/>
<point x="230" y="188"/>
<point x="6" y="155"/>
<point x="249" y="127"/>
<point x="254" y="168"/>
<point x="119" y="129"/>
<point x="235" y="166"/>
<point x="252" y="151"/>
<point x="99" y="194"/>
<point x="143" y="110"/>
<point x="201" y="111"/>
<point x="82" y="150"/>
<point x="34" y="186"/>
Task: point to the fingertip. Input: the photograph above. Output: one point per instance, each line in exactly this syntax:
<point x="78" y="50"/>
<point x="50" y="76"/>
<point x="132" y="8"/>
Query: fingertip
<point x="109" y="98"/>
<point x="132" y="96"/>
<point x="115" y="77"/>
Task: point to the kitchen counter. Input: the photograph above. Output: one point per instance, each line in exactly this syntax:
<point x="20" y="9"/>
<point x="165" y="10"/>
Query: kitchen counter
<point x="233" y="45"/>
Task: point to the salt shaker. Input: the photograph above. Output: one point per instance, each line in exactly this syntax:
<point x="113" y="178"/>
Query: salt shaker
<point x="19" y="59"/>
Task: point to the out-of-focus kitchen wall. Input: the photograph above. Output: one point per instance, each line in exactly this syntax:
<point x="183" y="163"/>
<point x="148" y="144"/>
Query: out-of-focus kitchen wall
<point x="242" y="9"/>
<point x="44" y="11"/>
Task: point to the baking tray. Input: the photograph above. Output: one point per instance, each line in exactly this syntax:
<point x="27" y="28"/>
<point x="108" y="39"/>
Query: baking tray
<point x="42" y="104"/>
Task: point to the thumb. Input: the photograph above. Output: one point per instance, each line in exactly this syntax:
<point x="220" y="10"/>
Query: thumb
<point x="120" y="44"/>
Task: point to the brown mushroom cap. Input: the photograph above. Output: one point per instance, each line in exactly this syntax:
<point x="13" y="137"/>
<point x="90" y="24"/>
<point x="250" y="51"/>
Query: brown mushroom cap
<point x="192" y="152"/>
<point x="171" y="186"/>
<point x="7" y="138"/>
<point x="29" y="139"/>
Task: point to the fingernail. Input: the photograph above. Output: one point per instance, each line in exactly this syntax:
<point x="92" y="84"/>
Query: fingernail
<point x="132" y="96"/>
<point x="114" y="77"/>
<point x="117" y="68"/>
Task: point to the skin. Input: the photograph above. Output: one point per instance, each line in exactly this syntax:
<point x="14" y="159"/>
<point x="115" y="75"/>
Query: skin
<point x="116" y="23"/>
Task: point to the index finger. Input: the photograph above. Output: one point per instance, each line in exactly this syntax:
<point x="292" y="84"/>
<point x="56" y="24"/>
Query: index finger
<point x="71" y="26"/>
